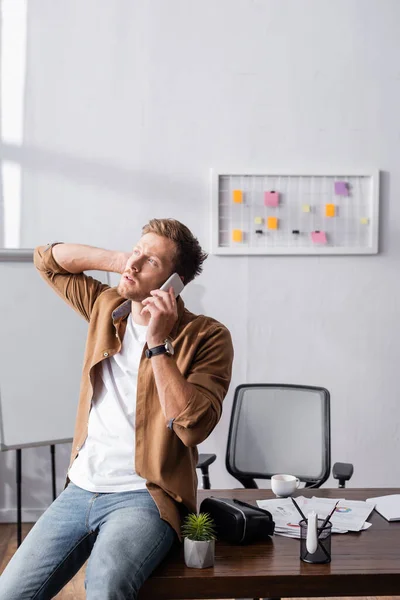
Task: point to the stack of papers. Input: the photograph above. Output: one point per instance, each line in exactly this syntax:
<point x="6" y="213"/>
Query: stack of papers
<point x="350" y="515"/>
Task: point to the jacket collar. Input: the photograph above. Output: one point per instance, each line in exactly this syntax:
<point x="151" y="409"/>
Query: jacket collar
<point x="123" y="310"/>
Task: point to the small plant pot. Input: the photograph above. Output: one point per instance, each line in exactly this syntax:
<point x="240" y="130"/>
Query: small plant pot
<point x="199" y="555"/>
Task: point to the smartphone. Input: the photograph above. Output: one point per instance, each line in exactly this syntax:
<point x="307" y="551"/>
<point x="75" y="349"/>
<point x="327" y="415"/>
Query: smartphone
<point x="176" y="283"/>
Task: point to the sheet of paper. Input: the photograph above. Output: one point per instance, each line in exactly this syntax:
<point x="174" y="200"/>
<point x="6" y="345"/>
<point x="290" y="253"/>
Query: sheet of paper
<point x="306" y="208"/>
<point x="286" y="516"/>
<point x="258" y="220"/>
<point x="387" y="506"/>
<point x="349" y="515"/>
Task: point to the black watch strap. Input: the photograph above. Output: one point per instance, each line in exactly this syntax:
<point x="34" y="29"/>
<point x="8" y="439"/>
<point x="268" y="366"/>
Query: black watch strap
<point x="156" y="350"/>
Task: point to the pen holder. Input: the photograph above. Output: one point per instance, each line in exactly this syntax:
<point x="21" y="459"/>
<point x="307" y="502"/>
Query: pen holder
<point x="323" y="551"/>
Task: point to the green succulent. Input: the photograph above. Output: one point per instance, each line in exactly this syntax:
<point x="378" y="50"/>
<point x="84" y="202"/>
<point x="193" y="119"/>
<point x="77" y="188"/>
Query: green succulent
<point x="199" y="528"/>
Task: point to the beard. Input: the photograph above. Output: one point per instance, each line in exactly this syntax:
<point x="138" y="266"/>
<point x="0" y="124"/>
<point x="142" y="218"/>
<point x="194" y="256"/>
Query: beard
<point x="130" y="292"/>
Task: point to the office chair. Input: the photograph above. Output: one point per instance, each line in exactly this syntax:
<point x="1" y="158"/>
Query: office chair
<point x="279" y="428"/>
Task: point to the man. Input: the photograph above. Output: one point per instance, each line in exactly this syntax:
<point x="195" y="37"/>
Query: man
<point x="154" y="378"/>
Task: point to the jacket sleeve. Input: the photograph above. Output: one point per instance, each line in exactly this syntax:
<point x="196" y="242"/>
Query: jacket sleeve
<point x="210" y="376"/>
<point x="77" y="289"/>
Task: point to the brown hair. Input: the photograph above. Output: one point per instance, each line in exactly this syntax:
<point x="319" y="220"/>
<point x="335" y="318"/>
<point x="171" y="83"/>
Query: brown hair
<point x="189" y="256"/>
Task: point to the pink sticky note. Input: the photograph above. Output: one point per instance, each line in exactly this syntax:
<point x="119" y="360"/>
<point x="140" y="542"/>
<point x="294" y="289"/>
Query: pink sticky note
<point x="341" y="188"/>
<point x="318" y="237"/>
<point x="271" y="198"/>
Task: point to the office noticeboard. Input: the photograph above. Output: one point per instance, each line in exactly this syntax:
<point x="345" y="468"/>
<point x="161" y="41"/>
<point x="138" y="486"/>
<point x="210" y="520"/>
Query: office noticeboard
<point x="256" y="212"/>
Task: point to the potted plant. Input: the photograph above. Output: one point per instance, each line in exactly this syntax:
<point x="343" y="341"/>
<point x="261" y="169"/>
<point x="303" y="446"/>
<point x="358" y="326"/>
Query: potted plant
<point x="199" y="540"/>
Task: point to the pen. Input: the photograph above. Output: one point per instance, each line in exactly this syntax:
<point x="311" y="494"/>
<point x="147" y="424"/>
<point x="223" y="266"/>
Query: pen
<point x="328" y="518"/>
<point x="298" y="508"/>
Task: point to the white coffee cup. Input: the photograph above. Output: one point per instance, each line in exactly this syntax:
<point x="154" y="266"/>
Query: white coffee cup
<point x="284" y="485"/>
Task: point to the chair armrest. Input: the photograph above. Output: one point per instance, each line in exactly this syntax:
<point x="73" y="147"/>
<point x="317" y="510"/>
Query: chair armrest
<point x="342" y="472"/>
<point x="205" y="460"/>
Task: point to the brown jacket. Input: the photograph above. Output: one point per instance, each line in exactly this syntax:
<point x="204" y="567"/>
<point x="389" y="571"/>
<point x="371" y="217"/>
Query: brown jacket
<point x="165" y="457"/>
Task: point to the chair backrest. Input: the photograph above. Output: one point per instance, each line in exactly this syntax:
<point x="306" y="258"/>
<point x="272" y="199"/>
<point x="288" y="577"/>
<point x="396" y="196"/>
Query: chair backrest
<point x="278" y="428"/>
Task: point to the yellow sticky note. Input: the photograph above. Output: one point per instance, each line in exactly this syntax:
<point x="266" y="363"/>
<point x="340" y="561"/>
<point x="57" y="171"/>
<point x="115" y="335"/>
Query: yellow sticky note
<point x="329" y="210"/>
<point x="237" y="196"/>
<point x="258" y="220"/>
<point x="306" y="208"/>
<point x="272" y="223"/>
<point x="364" y="221"/>
<point x="237" y="235"/>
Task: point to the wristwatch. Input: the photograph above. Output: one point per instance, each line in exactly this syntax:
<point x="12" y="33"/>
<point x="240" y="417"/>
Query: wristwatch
<point x="165" y="348"/>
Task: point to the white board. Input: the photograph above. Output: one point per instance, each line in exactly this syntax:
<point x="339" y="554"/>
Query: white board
<point x="256" y="212"/>
<point x="42" y="343"/>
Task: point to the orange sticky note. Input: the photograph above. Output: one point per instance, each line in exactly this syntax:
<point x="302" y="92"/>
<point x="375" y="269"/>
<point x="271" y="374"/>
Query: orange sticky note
<point x="329" y="210"/>
<point x="237" y="235"/>
<point x="237" y="196"/>
<point x="272" y="223"/>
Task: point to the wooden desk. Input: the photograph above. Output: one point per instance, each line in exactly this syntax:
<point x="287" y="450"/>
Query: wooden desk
<point x="363" y="564"/>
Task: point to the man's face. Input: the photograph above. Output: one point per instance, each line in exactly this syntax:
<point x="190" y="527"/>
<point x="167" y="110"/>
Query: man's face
<point x="150" y="265"/>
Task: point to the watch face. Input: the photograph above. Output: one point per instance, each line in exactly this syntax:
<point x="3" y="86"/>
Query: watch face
<point x="169" y="347"/>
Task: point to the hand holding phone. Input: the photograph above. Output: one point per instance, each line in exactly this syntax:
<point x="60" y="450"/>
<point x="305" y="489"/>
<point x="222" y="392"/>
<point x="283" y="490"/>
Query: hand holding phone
<point x="162" y="322"/>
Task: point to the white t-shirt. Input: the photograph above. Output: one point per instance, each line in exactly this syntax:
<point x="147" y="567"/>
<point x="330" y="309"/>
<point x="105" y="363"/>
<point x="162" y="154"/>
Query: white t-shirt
<point x="106" y="461"/>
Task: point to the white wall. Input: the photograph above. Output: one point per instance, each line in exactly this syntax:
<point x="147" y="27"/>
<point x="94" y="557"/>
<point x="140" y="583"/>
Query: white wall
<point x="128" y="105"/>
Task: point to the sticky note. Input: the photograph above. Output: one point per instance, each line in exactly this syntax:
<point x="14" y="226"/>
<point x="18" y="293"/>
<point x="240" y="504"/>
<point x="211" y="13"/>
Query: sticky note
<point x="272" y="223"/>
<point x="318" y="237"/>
<point x="341" y="188"/>
<point x="306" y="208"/>
<point x="237" y="196"/>
<point x="237" y="235"/>
<point x="364" y="221"/>
<point x="271" y="198"/>
<point x="258" y="220"/>
<point x="329" y="210"/>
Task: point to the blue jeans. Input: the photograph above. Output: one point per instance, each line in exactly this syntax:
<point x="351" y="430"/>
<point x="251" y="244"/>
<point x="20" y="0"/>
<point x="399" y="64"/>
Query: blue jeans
<point x="121" y="533"/>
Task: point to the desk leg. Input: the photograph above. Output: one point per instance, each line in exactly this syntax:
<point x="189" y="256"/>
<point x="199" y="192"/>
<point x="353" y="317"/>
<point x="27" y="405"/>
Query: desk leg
<point x="53" y="469"/>
<point x="19" y="527"/>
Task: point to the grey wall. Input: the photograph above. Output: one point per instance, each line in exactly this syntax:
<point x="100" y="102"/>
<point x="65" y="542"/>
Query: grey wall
<point x="128" y="105"/>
